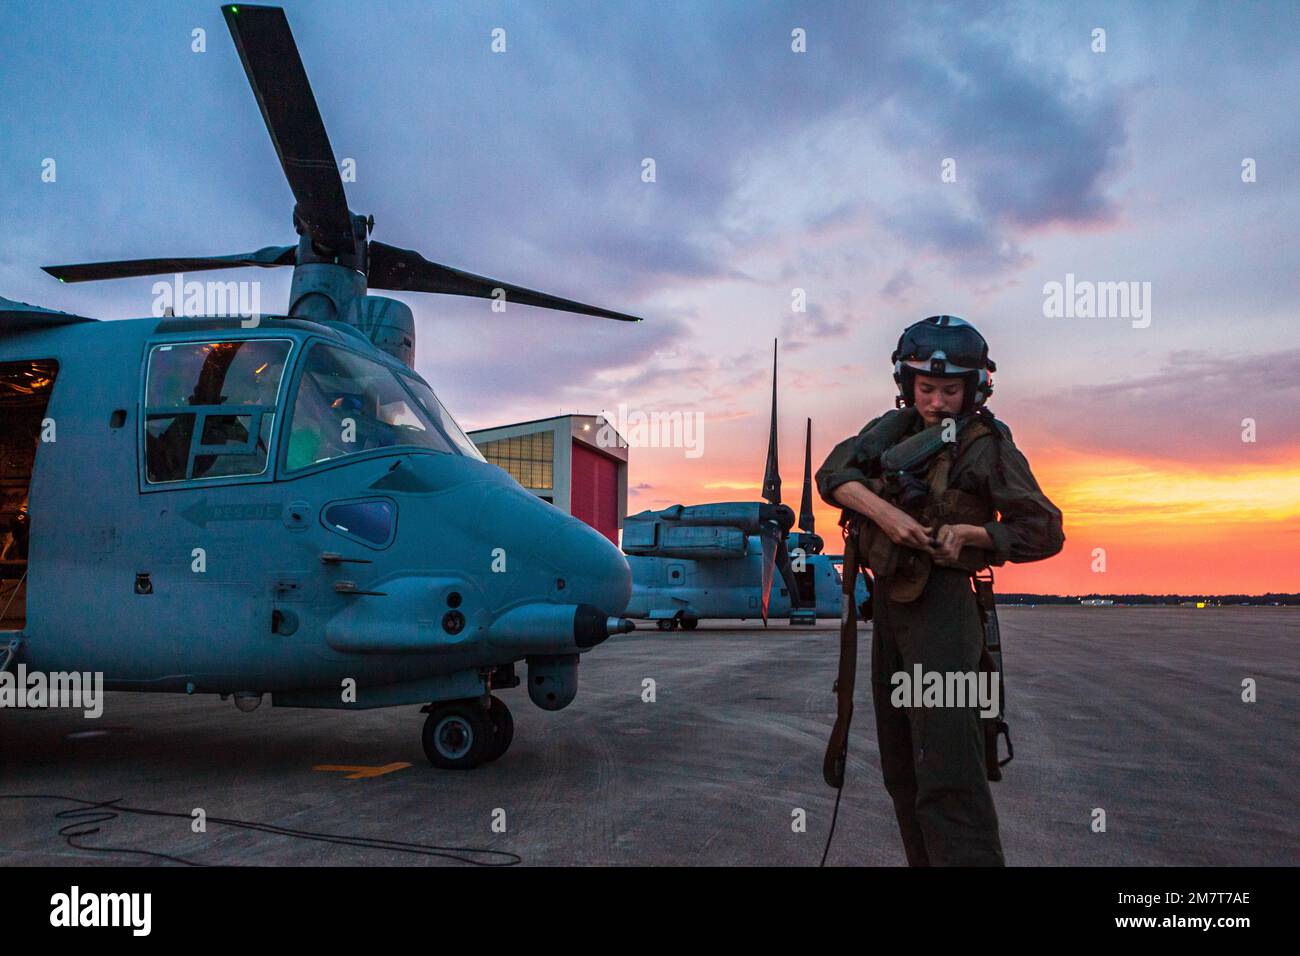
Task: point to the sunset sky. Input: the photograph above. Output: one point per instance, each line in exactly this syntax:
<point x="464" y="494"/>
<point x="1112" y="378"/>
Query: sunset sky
<point x="774" y="171"/>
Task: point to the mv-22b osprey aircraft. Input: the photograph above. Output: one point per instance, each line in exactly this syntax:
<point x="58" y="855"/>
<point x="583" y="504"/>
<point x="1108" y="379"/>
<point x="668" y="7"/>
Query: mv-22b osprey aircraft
<point x="284" y="506"/>
<point x="719" y="560"/>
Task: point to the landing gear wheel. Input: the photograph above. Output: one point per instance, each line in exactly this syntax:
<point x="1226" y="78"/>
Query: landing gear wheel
<point x="667" y="624"/>
<point x="503" y="728"/>
<point x="690" y="623"/>
<point x="864" y="610"/>
<point x="457" y="735"/>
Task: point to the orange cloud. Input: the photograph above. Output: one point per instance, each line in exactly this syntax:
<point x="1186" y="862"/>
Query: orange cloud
<point x="1226" y="527"/>
<point x="1162" y="528"/>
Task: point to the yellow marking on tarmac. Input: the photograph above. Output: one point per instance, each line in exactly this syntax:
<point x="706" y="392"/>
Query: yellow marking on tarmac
<point x="361" y="773"/>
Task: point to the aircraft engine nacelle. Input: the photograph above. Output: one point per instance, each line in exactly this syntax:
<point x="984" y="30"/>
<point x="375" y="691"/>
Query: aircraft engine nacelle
<point x="742" y="515"/>
<point x="663" y="539"/>
<point x="553" y="681"/>
<point x="389" y="324"/>
<point x="701" y="531"/>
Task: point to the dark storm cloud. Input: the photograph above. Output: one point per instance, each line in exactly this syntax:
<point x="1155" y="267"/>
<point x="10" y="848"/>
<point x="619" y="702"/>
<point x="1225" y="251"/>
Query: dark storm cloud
<point x="975" y="246"/>
<point x="799" y="331"/>
<point x="587" y="93"/>
<point x="1190" y="410"/>
<point x="484" y="363"/>
<point x="899" y="284"/>
<point x="1037" y="147"/>
<point x="550" y="174"/>
<point x="527" y="166"/>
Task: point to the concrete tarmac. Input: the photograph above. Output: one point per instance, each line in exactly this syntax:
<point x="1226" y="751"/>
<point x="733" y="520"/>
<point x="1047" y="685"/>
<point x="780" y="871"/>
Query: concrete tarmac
<point x="1134" y="711"/>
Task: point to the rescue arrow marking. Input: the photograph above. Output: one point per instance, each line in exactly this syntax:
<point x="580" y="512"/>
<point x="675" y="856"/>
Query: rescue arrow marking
<point x="200" y="512"/>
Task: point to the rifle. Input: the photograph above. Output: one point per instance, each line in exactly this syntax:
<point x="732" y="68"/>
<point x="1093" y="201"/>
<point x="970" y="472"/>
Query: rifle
<point x="836" y="760"/>
<point x="991" y="661"/>
<point x="837" y="749"/>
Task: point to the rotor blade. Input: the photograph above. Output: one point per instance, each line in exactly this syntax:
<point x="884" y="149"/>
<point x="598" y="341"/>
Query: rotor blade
<point x="404" y="270"/>
<point x="769" y="561"/>
<point x="772" y="474"/>
<point x="283" y="92"/>
<point x="266" y="257"/>
<point x="787" y="573"/>
<point x="805" y="504"/>
<point x="780" y="516"/>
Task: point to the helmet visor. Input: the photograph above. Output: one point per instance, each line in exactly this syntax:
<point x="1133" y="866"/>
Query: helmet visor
<point x="961" y="345"/>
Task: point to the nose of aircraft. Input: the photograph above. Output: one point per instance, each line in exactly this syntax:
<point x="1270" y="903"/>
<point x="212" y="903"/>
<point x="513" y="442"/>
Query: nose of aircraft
<point x="567" y="561"/>
<point x="593" y="570"/>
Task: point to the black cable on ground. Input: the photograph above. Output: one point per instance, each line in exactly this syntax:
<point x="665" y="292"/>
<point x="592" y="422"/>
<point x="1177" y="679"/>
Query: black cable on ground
<point x="839" y="792"/>
<point x="86" y="820"/>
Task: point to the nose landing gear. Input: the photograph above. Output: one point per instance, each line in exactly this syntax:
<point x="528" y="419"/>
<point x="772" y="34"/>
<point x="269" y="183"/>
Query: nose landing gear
<point x="679" y="621"/>
<point x="461" y="734"/>
<point x="503" y="727"/>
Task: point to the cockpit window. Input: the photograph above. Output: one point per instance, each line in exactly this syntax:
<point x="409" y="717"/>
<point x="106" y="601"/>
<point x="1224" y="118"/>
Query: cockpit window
<point x="438" y="412"/>
<point x="210" y="408"/>
<point x="348" y="404"/>
<point x="371" y="521"/>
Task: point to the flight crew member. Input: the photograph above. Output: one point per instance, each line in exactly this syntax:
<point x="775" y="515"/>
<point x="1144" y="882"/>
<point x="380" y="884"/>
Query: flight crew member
<point x="982" y="508"/>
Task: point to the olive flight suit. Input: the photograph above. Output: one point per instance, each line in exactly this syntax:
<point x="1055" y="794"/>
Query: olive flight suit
<point x="933" y="758"/>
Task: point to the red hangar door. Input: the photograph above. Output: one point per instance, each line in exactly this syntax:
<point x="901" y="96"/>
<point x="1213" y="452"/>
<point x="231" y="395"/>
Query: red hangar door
<point x="594" y="491"/>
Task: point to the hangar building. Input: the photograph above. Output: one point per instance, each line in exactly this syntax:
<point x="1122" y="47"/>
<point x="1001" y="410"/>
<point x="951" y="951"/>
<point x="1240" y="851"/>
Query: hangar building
<point x="576" y="462"/>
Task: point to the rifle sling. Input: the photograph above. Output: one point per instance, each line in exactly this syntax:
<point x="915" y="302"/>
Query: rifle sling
<point x="837" y="748"/>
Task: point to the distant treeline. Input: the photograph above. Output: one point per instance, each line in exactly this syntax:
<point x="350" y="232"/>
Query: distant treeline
<point x="1289" y="600"/>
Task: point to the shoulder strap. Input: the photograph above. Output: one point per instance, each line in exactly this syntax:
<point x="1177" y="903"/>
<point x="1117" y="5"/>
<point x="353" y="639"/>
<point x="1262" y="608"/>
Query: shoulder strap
<point x="973" y="432"/>
<point x="943" y="463"/>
